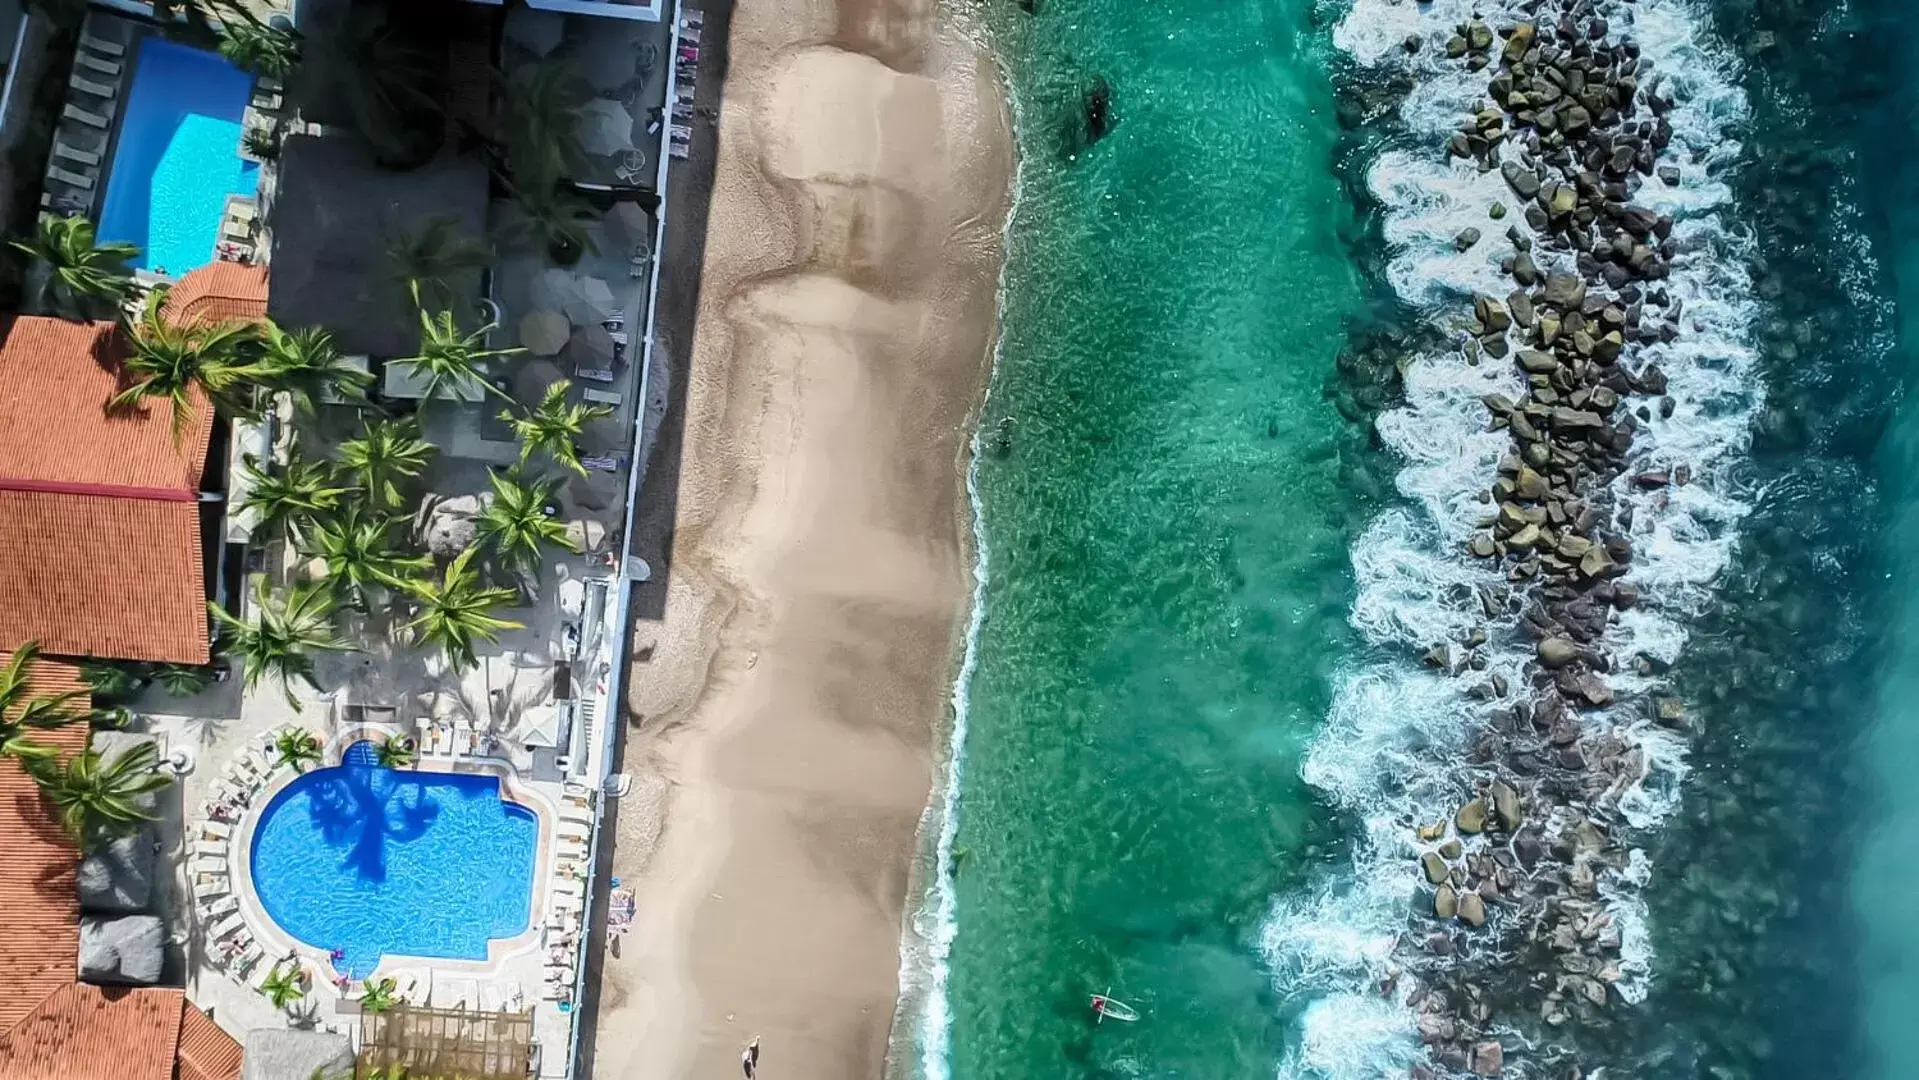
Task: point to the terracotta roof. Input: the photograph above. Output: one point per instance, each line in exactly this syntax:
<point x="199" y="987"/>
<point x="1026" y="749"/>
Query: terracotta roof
<point x="99" y="530"/>
<point x="104" y="577"/>
<point x="83" y="1032"/>
<point x="207" y="1052"/>
<point x="55" y="379"/>
<point x="219" y="292"/>
<point x="40" y="950"/>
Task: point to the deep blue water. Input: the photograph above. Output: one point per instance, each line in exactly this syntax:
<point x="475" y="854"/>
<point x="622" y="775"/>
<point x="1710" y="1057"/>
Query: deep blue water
<point x="176" y="160"/>
<point x="375" y="861"/>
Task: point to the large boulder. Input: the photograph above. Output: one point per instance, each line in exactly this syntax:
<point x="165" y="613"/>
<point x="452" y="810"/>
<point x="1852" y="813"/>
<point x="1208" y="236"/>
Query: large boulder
<point x="289" y="1054"/>
<point x="129" y="949"/>
<point x="1471" y="817"/>
<point x="118" y="878"/>
<point x="447" y="526"/>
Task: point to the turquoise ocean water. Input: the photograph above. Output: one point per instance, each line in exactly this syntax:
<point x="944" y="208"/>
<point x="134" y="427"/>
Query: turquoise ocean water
<point x="1219" y="525"/>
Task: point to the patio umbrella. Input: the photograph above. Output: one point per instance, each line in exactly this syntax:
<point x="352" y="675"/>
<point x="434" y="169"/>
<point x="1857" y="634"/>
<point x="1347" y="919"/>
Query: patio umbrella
<point x="592" y="347"/>
<point x="538" y="31"/>
<point x="544" y="332"/>
<point x="597" y="297"/>
<point x="627" y="224"/>
<point x="609" y="57"/>
<point x="553" y="289"/>
<point x="605" y="127"/>
<point x="534" y="376"/>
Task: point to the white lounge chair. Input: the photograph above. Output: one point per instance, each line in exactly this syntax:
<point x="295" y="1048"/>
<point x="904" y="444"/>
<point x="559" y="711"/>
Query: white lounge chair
<point x="226" y="905"/>
<point x="208" y="886"/>
<point x="88" y="86"/>
<point x="74" y="153"/>
<point x="218" y="830"/>
<point x="109" y="68"/>
<point x="74" y="180"/>
<point x="210" y="848"/>
<point x="102" y="45"/>
<point x="225" y="926"/>
<point x="573" y="813"/>
<point x="569" y="887"/>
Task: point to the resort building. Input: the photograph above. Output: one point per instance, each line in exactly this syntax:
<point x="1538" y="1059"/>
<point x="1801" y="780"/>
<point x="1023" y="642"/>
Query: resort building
<point x="393" y="855"/>
<point x="51" y="1023"/>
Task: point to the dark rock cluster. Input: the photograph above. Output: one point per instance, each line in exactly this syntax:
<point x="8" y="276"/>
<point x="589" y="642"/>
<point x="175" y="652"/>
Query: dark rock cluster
<point x="1574" y="123"/>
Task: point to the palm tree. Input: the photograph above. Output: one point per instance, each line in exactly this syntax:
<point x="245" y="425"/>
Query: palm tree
<point x="387" y="452"/>
<point x="515" y="523"/>
<point x="378" y="996"/>
<point x="425" y="260"/>
<point x="393" y="97"/>
<point x="360" y="554"/>
<point x="110" y="681"/>
<point x="449" y="360"/>
<point x="293" y="497"/>
<point x="308" y="365"/>
<point x="20" y="714"/>
<point x="84" y="276"/>
<point x="97" y="798"/>
<point x="540" y="122"/>
<point x="555" y="426"/>
<point x="397" y="752"/>
<point x="168" y="360"/>
<point x="282" y="635"/>
<point x="284" y="985"/>
<point x="182" y="680"/>
<point x="263" y="50"/>
<point x="458" y="609"/>
<point x="551" y="217"/>
<point x="297" y="748"/>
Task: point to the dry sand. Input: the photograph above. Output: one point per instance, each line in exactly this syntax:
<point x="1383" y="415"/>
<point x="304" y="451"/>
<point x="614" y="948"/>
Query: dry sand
<point x="788" y="708"/>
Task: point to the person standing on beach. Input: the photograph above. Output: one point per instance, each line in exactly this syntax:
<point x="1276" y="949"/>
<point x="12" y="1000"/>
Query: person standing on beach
<point x="750" y="1059"/>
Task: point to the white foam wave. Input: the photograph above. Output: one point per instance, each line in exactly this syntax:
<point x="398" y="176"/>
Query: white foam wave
<point x="1391" y="750"/>
<point x="927" y="943"/>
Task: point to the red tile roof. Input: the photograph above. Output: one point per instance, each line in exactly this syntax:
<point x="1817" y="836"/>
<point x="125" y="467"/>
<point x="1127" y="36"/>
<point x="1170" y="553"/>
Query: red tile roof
<point x="89" y="576"/>
<point x="40" y="950"/>
<point x="100" y="546"/>
<point x="207" y="1052"/>
<point x="83" y="1032"/>
<point x="55" y="379"/>
<point x="219" y="292"/>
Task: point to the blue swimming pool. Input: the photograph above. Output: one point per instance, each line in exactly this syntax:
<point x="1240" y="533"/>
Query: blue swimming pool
<point x="375" y="861"/>
<point x="177" y="157"/>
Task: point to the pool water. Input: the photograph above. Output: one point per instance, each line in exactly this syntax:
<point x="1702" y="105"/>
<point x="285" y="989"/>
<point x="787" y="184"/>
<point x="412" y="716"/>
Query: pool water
<point x="376" y="862"/>
<point x="177" y="157"/>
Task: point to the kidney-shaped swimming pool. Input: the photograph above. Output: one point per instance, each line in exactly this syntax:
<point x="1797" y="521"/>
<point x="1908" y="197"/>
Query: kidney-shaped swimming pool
<point x="376" y="862"/>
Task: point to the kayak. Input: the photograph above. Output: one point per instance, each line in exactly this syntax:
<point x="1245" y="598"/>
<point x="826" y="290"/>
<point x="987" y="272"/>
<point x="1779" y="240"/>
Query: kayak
<point x="1107" y="1008"/>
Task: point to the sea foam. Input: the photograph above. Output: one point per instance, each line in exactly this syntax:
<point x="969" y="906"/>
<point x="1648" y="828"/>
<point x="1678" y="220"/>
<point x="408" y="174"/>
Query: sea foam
<point x="1390" y="754"/>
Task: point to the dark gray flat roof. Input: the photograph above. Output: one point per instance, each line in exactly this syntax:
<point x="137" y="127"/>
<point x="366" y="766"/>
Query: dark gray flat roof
<point x="335" y="216"/>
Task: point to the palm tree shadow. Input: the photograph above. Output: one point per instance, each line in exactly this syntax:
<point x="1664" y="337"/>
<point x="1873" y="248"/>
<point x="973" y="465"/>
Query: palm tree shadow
<point x="364" y="808"/>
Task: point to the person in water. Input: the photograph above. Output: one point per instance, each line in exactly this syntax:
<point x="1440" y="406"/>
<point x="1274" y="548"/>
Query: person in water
<point x="750" y="1059"/>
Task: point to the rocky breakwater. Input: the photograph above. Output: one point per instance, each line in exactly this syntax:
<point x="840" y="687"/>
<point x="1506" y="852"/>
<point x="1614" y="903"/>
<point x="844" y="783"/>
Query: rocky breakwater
<point x="1575" y="123"/>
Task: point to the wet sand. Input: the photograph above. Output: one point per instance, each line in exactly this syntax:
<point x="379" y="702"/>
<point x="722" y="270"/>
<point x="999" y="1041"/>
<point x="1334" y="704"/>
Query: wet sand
<point x="785" y="714"/>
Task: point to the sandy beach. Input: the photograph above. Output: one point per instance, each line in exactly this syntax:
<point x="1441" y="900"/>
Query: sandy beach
<point x="785" y="715"/>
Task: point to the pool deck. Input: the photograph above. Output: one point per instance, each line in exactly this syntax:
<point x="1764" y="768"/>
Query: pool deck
<point x="221" y="726"/>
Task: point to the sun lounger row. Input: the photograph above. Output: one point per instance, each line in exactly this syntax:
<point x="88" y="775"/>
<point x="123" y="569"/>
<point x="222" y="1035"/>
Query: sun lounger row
<point x="73" y="167"/>
<point x="438" y="739"/>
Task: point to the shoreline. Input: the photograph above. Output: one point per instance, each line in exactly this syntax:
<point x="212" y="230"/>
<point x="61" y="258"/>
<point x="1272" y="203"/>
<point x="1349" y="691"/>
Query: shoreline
<point x="786" y="714"/>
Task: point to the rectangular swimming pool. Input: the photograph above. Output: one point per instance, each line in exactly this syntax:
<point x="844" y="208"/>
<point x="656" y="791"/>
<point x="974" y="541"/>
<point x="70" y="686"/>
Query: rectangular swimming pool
<point x="177" y="158"/>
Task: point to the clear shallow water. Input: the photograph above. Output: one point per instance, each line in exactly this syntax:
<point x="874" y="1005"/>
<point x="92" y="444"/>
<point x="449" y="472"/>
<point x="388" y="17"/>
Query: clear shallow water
<point x="375" y="861"/>
<point x="1180" y="631"/>
<point x="176" y="160"/>
<point x="1167" y="531"/>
